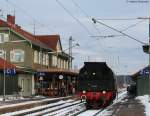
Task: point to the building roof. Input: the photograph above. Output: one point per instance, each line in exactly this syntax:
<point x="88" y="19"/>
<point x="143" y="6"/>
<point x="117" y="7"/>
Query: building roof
<point x="142" y="72"/>
<point x="50" y="40"/>
<point x="5" y="64"/>
<point x="44" y="41"/>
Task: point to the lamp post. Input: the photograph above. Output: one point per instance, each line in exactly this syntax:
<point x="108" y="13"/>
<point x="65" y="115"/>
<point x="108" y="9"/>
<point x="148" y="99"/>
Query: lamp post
<point x="70" y="51"/>
<point x="4" y="92"/>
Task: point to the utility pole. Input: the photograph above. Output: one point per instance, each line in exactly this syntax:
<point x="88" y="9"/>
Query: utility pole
<point x="34" y="27"/>
<point x="70" y="52"/>
<point x="4" y="81"/>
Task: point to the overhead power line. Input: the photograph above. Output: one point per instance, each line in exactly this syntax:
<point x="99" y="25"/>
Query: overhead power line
<point x="130" y="26"/>
<point x="133" y="25"/>
<point x="88" y="17"/>
<point x="127" y="19"/>
<point x="27" y="14"/>
<point x="78" y="21"/>
<point x="118" y="19"/>
<point x="106" y="36"/>
<point x="95" y="20"/>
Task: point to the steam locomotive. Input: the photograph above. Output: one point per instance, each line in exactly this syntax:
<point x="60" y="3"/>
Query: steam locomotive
<point x="96" y="84"/>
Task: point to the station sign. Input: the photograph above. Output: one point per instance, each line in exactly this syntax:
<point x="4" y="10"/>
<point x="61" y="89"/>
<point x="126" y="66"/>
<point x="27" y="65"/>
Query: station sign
<point x="10" y="71"/>
<point x="41" y="74"/>
<point x="144" y="72"/>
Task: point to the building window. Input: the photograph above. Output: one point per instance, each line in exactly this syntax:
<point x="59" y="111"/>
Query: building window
<point x="36" y="56"/>
<point x="54" y="61"/>
<point x="61" y="66"/>
<point x="28" y="88"/>
<point x="4" y="37"/>
<point x="17" y="56"/>
<point x="2" y="54"/>
<point x="59" y="63"/>
<point x="47" y="59"/>
<point x="22" y="84"/>
<point x="40" y="57"/>
<point x="44" y="59"/>
<point x="67" y="64"/>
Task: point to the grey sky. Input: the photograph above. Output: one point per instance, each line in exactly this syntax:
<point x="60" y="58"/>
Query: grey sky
<point x="123" y="54"/>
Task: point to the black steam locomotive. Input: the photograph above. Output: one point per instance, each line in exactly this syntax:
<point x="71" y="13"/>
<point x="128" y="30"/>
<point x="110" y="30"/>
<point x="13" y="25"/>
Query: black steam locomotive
<point x="96" y="84"/>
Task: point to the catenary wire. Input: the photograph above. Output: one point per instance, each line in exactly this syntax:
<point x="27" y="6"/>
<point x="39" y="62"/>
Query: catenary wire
<point x="78" y="21"/>
<point x="88" y="17"/>
<point x="30" y="16"/>
<point x="117" y="31"/>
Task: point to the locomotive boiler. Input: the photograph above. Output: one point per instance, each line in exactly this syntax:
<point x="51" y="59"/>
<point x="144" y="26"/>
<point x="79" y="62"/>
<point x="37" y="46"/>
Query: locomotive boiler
<point x="96" y="84"/>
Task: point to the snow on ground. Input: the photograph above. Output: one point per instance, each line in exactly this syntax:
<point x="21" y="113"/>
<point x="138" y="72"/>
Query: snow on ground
<point x="12" y="98"/>
<point x="145" y="101"/>
<point x="37" y="108"/>
<point x="1" y="99"/>
<point x="30" y="102"/>
<point x="88" y="113"/>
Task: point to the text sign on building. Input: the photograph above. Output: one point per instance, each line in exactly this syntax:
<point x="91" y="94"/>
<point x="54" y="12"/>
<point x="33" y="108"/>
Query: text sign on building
<point x="41" y="74"/>
<point x="10" y="71"/>
<point x="144" y="72"/>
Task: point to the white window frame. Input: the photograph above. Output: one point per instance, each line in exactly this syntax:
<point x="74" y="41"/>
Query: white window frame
<point x="14" y="55"/>
<point x="4" y="37"/>
<point x="36" y="56"/>
<point x="47" y="60"/>
<point x="54" y="60"/>
<point x="22" y="84"/>
<point x="2" y="54"/>
<point x="40" y="57"/>
<point x="67" y="64"/>
<point x="44" y="59"/>
<point x="59" y="65"/>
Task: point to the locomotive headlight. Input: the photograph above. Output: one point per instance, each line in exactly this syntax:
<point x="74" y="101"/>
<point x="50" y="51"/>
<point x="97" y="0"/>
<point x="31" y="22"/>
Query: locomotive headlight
<point x="84" y="91"/>
<point x="93" y="73"/>
<point x="104" y="92"/>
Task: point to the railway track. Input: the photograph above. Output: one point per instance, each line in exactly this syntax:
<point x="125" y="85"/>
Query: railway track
<point x="52" y="108"/>
<point x="64" y="108"/>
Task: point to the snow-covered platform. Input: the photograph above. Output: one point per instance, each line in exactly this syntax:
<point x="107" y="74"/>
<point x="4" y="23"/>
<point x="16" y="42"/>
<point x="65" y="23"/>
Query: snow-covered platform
<point x="129" y="106"/>
<point x="21" y="104"/>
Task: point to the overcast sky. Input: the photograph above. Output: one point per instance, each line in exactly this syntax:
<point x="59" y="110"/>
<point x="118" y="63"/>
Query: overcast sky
<point x="73" y="18"/>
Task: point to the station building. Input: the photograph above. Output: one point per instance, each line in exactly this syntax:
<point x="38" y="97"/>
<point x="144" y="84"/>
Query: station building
<point x="142" y="81"/>
<point x="42" y="65"/>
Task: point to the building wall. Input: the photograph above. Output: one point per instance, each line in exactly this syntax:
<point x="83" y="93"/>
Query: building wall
<point x="25" y="82"/>
<point x="143" y="86"/>
<point x="25" y="46"/>
<point x="10" y="84"/>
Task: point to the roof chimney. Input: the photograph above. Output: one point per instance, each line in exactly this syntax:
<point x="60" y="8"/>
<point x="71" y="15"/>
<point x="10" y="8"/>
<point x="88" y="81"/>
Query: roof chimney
<point x="11" y="19"/>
